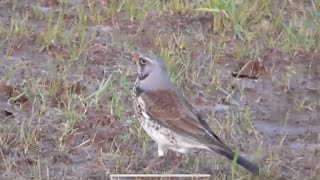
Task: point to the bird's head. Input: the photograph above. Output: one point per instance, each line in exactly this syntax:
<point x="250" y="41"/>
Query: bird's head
<point x="152" y="71"/>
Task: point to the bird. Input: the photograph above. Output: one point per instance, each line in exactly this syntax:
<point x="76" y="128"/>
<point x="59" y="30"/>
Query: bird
<point x="168" y="118"/>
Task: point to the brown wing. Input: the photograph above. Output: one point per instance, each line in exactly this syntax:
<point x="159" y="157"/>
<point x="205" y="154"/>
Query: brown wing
<point x="172" y="111"/>
<point x="202" y="122"/>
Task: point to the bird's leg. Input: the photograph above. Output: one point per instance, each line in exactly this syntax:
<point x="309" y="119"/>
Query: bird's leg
<point x="178" y="160"/>
<point x="162" y="151"/>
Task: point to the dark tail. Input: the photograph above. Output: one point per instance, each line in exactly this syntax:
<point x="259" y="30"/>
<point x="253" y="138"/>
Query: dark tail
<point x="241" y="161"/>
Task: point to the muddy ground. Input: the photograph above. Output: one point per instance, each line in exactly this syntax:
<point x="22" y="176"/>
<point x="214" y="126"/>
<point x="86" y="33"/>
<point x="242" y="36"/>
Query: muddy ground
<point x="66" y="79"/>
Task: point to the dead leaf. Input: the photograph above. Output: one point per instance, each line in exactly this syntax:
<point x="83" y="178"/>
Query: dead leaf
<point x="135" y="56"/>
<point x="77" y="88"/>
<point x="49" y="3"/>
<point x="6" y="110"/>
<point x="6" y="90"/>
<point x="31" y="162"/>
<point x="61" y="159"/>
<point x="7" y="113"/>
<point x="100" y="127"/>
<point x="21" y="98"/>
<point x="200" y="101"/>
<point x="252" y="69"/>
<point x="101" y="55"/>
<point x="27" y="106"/>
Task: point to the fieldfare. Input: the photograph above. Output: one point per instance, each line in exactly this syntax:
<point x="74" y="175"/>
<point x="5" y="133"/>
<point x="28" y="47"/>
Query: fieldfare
<point x="167" y="117"/>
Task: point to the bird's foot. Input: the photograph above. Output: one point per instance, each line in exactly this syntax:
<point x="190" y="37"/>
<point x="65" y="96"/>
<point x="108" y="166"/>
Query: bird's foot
<point x="154" y="162"/>
<point x="177" y="163"/>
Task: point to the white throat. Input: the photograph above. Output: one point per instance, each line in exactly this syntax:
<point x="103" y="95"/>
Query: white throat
<point x="156" y="81"/>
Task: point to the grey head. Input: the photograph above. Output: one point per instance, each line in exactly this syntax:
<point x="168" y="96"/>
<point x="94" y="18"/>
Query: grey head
<point x="152" y="72"/>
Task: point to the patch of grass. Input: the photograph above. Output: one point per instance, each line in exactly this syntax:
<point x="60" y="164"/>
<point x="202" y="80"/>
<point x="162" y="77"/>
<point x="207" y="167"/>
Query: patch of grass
<point x="113" y="8"/>
<point x="131" y="9"/>
<point x="27" y="135"/>
<point x="69" y="115"/>
<point x="252" y="20"/>
<point x="301" y="33"/>
<point x="229" y="16"/>
<point x="176" y="6"/>
<point x="103" y="87"/>
<point x="36" y="11"/>
<point x="52" y="35"/>
<point x="16" y="34"/>
<point x="8" y="166"/>
<point x="172" y="51"/>
<point x="116" y="106"/>
<point x="81" y="40"/>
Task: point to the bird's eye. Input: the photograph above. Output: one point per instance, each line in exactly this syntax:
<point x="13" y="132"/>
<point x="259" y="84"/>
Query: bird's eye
<point x="143" y="61"/>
